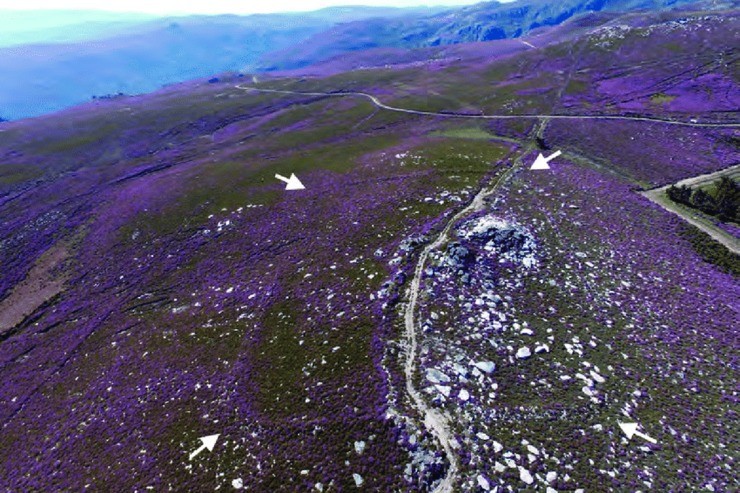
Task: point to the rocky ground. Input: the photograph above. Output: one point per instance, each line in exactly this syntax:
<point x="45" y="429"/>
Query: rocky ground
<point x="538" y="339"/>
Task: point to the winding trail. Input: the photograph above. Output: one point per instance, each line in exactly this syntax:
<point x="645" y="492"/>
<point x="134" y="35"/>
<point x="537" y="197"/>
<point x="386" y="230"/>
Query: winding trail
<point x="384" y="106"/>
<point x="436" y="422"/>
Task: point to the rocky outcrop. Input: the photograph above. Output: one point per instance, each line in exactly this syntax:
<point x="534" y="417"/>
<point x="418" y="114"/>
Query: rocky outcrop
<point x="507" y="240"/>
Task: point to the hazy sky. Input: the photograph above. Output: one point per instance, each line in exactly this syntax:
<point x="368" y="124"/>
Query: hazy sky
<point x="211" y="6"/>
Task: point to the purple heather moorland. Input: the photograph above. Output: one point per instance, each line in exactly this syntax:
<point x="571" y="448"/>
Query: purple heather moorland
<point x="428" y="314"/>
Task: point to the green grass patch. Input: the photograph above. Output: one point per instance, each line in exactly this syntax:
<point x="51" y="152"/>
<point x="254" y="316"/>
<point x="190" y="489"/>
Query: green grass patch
<point x="12" y="175"/>
<point x="535" y="95"/>
<point x="210" y="336"/>
<point x="281" y="358"/>
<point x="82" y="137"/>
<point x="473" y="133"/>
<point x="576" y="87"/>
<point x="296" y="114"/>
<point x="673" y="47"/>
<point x="231" y="184"/>
<point x="661" y="98"/>
<point x="432" y="104"/>
<point x="346" y="81"/>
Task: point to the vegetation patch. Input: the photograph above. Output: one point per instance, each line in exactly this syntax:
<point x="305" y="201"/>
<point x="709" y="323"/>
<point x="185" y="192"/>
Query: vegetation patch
<point x="474" y="133"/>
<point x="711" y="251"/>
<point x="661" y="98"/>
<point x="720" y="199"/>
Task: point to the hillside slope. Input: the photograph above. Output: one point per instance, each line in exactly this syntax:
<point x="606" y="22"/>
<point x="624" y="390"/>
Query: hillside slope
<point x="132" y="57"/>
<point x="135" y="57"/>
<point x="485" y="21"/>
<point x="428" y="311"/>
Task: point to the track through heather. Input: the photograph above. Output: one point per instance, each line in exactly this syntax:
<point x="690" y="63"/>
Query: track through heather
<point x="435" y="421"/>
<point x="384" y="106"/>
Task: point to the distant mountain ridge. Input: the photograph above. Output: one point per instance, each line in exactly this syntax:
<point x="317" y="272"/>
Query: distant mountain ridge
<point x="22" y="27"/>
<point x="481" y="22"/>
<point x="141" y="57"/>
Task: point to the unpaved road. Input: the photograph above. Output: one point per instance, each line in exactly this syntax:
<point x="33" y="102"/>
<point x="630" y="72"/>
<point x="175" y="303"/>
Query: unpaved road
<point x="380" y="104"/>
<point x="436" y="422"/>
<point x="658" y="195"/>
<point x="707" y="178"/>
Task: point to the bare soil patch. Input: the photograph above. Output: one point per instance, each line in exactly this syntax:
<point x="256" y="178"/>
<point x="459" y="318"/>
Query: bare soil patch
<point x="44" y="281"/>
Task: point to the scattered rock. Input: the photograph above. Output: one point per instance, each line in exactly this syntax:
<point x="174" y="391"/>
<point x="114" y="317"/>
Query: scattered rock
<point x="598" y="378"/>
<point x="444" y="390"/>
<point x="542" y="348"/>
<point x="486" y="366"/>
<point x="483" y="482"/>
<point x="457" y="256"/>
<point x="460" y="370"/>
<point x="509" y="240"/>
<point x="525" y="475"/>
<point x="436" y="376"/>
<point x="523" y="353"/>
<point x="358" y="479"/>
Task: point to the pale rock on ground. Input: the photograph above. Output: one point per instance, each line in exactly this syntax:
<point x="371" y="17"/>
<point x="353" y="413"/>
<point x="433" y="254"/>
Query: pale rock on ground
<point x="523" y="353"/>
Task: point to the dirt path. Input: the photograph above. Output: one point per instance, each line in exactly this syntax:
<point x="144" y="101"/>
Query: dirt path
<point x="380" y="104"/>
<point x="707" y="178"/>
<point x="436" y="422"/>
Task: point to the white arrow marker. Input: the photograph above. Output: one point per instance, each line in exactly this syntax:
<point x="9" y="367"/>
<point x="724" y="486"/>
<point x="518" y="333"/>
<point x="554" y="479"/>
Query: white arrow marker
<point x="208" y="443"/>
<point x="292" y="183"/>
<point x="541" y="161"/>
<point x="630" y="429"/>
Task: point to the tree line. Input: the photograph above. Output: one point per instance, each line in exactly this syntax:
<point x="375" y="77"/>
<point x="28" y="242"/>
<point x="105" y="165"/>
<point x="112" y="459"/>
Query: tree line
<point x="723" y="201"/>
